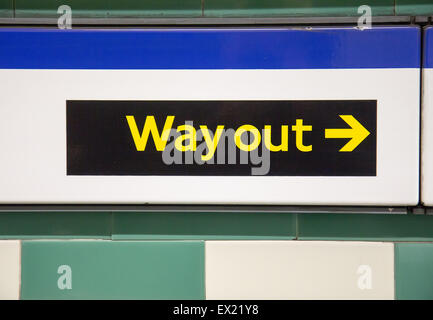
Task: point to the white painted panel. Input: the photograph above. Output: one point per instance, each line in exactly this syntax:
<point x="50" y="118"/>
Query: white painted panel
<point x="10" y="266"/>
<point x="33" y="135"/>
<point x="299" y="270"/>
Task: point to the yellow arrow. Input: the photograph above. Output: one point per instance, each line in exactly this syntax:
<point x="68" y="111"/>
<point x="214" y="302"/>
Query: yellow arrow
<point x="357" y="132"/>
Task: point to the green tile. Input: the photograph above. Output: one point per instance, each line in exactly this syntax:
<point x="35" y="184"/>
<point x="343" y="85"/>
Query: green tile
<point x="6" y="8"/>
<point x="222" y="8"/>
<point x="203" y="225"/>
<point x="414" y="7"/>
<point x="414" y="271"/>
<point x="382" y="227"/>
<point x="110" y="8"/>
<point x="155" y="8"/>
<point x="112" y="270"/>
<point x="32" y="225"/>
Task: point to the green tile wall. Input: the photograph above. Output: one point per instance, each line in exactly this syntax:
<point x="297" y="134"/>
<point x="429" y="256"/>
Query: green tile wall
<point x="110" y="8"/>
<point x="204" y="225"/>
<point x="112" y="270"/>
<point x="156" y="269"/>
<point x="214" y="226"/>
<point x="382" y="227"/>
<point x="222" y="8"/>
<point x="414" y="7"/>
<point x="213" y="8"/>
<point x="34" y="225"/>
<point x="6" y="8"/>
<point x="414" y="270"/>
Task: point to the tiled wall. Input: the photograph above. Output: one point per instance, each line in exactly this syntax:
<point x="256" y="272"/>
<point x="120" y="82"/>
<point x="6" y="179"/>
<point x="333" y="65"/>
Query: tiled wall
<point x="142" y="255"/>
<point x="258" y="269"/>
<point x="212" y="8"/>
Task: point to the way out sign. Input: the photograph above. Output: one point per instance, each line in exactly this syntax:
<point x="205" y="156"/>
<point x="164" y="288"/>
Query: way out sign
<point x="214" y="116"/>
<point x="222" y="138"/>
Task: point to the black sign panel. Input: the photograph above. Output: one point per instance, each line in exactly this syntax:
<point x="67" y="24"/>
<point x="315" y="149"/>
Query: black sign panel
<point x="270" y="138"/>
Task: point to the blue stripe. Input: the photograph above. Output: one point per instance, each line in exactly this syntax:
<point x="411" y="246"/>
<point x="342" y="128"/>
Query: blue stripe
<point x="428" y="47"/>
<point x="317" y="48"/>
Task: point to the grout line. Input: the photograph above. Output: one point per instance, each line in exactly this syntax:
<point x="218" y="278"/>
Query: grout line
<point x="395" y="273"/>
<point x="204" y="266"/>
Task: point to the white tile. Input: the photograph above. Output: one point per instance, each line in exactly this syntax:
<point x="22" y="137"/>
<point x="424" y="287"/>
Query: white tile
<point x="299" y="270"/>
<point x="10" y="258"/>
